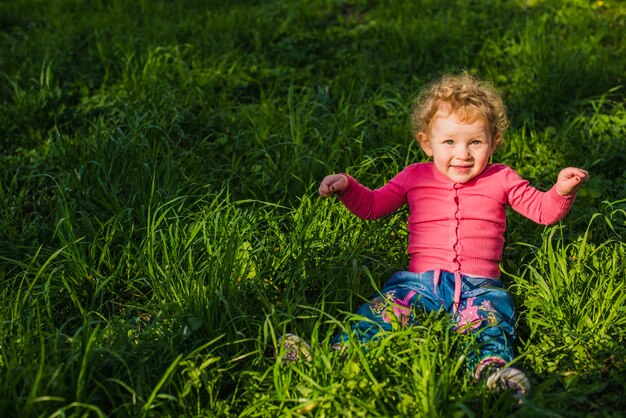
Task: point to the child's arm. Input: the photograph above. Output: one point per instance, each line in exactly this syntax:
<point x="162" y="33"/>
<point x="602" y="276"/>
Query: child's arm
<point x="548" y="207"/>
<point x="364" y="202"/>
<point x="569" y="180"/>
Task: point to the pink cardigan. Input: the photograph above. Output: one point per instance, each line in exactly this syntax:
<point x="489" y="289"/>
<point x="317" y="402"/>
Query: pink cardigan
<point x="453" y="226"/>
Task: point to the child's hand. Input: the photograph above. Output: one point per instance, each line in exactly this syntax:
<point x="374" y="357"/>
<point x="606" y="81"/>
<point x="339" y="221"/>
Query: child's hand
<point x="333" y="184"/>
<point x="569" y="180"/>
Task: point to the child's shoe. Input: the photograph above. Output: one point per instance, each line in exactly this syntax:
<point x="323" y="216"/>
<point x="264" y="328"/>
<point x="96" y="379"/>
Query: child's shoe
<point x="509" y="378"/>
<point x="295" y="348"/>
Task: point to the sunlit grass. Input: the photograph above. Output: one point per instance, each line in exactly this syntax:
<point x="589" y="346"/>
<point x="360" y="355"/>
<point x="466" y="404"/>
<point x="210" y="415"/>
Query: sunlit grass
<point x="160" y="226"/>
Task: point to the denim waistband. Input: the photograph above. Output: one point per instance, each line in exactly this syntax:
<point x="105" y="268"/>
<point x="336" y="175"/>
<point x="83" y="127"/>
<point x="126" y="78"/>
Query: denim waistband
<point x="459" y="278"/>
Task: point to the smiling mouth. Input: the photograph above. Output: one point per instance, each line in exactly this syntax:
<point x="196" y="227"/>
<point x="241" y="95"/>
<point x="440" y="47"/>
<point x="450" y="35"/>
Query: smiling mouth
<point x="462" y="168"/>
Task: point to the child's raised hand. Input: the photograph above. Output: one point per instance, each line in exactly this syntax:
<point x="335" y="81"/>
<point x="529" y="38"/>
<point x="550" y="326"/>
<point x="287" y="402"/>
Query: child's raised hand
<point x="333" y="184"/>
<point x="569" y="180"/>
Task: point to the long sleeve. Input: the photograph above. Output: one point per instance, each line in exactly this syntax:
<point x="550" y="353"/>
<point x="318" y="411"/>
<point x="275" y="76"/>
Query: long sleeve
<point x="374" y="204"/>
<point x="545" y="208"/>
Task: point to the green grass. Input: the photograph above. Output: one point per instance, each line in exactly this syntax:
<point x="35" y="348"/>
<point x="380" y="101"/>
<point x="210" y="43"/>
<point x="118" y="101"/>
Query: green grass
<point x="160" y="226"/>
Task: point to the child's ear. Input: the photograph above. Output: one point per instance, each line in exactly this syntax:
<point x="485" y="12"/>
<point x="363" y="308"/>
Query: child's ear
<point x="494" y="143"/>
<point x="422" y="138"/>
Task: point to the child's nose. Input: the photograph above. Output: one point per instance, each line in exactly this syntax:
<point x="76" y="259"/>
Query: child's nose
<point x="462" y="152"/>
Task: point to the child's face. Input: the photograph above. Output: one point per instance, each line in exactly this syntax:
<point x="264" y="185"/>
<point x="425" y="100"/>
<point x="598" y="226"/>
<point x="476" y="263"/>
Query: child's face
<point x="460" y="149"/>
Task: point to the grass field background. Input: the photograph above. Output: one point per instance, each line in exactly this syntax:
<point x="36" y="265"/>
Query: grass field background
<point x="160" y="225"/>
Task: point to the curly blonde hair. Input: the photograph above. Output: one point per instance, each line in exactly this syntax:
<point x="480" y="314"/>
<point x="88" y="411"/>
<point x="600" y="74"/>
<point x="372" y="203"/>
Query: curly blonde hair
<point x="469" y="98"/>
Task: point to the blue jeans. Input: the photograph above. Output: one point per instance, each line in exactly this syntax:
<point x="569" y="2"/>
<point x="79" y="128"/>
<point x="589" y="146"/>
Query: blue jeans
<point x="483" y="305"/>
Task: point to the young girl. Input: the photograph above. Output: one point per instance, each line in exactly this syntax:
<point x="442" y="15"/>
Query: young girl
<point x="456" y="224"/>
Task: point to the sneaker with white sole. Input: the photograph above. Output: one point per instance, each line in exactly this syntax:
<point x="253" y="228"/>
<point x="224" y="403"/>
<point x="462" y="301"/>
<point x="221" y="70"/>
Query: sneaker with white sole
<point x="295" y="349"/>
<point x="509" y="378"/>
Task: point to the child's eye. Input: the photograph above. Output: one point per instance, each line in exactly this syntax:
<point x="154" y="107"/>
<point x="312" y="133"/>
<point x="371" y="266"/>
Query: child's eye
<point x="448" y="142"/>
<point x="476" y="142"/>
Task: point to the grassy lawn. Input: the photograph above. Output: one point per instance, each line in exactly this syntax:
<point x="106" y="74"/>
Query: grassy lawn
<point x="160" y="224"/>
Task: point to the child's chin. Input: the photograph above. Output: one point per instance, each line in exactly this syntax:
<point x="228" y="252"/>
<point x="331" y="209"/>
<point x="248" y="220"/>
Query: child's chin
<point x="460" y="178"/>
